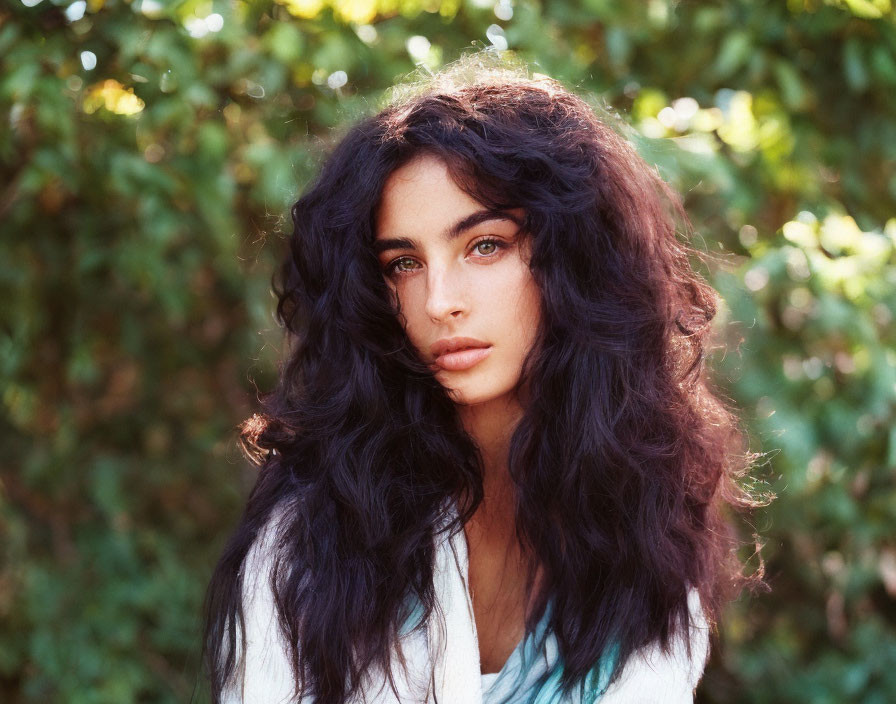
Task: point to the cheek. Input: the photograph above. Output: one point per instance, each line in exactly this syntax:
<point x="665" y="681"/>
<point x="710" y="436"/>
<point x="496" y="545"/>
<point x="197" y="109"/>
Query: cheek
<point x="407" y="298"/>
<point x="529" y="314"/>
<point x="524" y="298"/>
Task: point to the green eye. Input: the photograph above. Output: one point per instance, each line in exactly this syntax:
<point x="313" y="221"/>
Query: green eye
<point x="487" y="243"/>
<point x="401" y="264"/>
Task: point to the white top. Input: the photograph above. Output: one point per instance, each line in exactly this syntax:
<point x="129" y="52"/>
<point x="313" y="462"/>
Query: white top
<point x="447" y="656"/>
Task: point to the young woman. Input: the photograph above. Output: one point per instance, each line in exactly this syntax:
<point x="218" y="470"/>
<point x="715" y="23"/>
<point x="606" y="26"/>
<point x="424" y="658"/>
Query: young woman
<point x="493" y="467"/>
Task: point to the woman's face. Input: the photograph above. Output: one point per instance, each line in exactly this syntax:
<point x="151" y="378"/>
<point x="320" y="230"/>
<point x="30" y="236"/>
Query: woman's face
<point x="458" y="270"/>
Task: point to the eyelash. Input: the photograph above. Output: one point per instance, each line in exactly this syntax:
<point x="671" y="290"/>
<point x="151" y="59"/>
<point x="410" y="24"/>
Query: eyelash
<point x="392" y="270"/>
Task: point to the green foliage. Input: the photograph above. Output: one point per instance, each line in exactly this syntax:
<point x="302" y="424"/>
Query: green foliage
<point x="152" y="147"/>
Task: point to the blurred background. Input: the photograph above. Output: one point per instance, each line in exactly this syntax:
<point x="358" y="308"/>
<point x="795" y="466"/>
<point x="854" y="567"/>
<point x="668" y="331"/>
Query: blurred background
<point x="149" y="153"/>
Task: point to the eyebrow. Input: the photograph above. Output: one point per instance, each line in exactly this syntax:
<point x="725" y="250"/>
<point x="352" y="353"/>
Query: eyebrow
<point x="453" y="232"/>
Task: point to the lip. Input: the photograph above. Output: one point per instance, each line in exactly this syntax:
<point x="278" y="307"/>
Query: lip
<point x="459" y="353"/>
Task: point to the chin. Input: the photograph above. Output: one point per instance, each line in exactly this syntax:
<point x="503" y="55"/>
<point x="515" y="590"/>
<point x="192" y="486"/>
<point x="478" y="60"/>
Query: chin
<point x="464" y="400"/>
<point x="464" y="395"/>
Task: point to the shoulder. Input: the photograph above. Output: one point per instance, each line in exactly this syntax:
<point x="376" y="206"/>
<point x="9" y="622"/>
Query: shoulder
<point x="264" y="670"/>
<point x="651" y="675"/>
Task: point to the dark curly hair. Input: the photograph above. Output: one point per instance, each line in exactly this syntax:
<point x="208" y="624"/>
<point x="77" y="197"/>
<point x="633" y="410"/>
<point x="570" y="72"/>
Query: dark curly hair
<point x="624" y="462"/>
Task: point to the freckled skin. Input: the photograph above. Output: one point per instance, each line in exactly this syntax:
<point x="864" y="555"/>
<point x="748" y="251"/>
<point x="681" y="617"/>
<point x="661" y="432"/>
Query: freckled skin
<point x="463" y="287"/>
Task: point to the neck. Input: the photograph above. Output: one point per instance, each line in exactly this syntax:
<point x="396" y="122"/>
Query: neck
<point x="491" y="532"/>
<point x="491" y="426"/>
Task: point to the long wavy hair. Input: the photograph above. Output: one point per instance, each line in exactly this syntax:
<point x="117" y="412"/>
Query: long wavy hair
<point x="624" y="463"/>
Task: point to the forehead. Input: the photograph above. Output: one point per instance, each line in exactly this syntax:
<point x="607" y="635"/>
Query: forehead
<point x="421" y="191"/>
<point x="420" y="200"/>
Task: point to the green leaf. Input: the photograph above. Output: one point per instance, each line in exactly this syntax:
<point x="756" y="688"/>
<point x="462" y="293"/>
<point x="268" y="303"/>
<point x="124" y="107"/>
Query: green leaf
<point x="854" y="65"/>
<point x="736" y="49"/>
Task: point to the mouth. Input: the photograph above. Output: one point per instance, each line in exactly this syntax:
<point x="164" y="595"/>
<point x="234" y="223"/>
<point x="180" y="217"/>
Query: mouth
<point x="461" y="359"/>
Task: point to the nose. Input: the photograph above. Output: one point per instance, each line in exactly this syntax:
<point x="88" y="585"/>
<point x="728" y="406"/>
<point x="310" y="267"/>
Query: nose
<point x="446" y="294"/>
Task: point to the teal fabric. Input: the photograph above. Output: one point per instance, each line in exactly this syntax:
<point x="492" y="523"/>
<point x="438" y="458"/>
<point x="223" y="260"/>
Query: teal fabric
<point x="534" y="669"/>
<point x="533" y="672"/>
